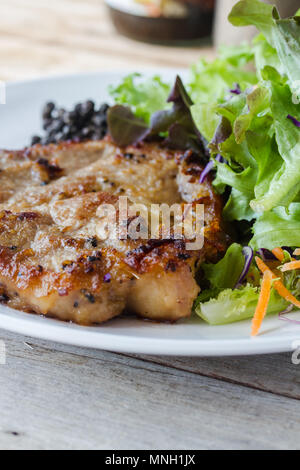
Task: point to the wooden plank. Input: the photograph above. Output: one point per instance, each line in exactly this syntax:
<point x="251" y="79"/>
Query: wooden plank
<point x="51" y="399"/>
<point x="38" y="37"/>
<point x="273" y="373"/>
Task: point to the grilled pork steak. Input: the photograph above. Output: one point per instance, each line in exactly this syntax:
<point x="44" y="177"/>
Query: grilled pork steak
<point x="52" y="260"/>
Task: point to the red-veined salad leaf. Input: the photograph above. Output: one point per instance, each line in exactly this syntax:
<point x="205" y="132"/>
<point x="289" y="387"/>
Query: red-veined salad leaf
<point x="176" y="123"/>
<point x="124" y="127"/>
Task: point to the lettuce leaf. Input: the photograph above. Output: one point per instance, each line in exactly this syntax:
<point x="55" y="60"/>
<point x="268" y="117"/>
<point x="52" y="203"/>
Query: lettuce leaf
<point x="145" y="96"/>
<point x="125" y="128"/>
<point x="226" y="273"/>
<point x="212" y="81"/>
<point x="236" y="305"/>
<point x="285" y="184"/>
<point x="263" y="149"/>
<point x="238" y="207"/>
<point x="222" y="303"/>
<point x="279" y="227"/>
<point x="253" y="12"/>
<point x="282" y="34"/>
<point x="263" y="152"/>
<point x="223" y="275"/>
<point x="265" y="55"/>
<point x="176" y="124"/>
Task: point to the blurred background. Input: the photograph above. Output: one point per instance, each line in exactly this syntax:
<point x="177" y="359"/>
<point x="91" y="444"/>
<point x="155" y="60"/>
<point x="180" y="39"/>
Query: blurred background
<point x="42" y="37"/>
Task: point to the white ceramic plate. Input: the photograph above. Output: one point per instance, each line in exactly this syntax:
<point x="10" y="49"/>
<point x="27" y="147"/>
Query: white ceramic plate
<point x="19" y="119"/>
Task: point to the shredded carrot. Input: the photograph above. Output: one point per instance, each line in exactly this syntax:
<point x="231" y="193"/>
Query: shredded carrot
<point x="290" y="266"/>
<point x="262" y="266"/>
<point x="278" y="253"/>
<point x="263" y="302"/>
<point x="297" y="252"/>
<point x="278" y="285"/>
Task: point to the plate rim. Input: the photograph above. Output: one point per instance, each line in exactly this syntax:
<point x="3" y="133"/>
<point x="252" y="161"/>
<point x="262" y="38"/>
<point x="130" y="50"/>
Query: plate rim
<point x="39" y="327"/>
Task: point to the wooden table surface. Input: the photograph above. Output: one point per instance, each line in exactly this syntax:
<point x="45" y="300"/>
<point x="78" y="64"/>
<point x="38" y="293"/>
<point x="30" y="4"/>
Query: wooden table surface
<point x="58" y="397"/>
<point x="39" y="37"/>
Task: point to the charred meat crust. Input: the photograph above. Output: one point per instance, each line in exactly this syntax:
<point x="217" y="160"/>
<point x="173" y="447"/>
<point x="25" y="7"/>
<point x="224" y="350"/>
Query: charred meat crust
<point x="52" y="260"/>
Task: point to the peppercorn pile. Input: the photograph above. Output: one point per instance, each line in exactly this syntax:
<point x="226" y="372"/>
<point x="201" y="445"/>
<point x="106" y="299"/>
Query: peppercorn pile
<point x="84" y="122"/>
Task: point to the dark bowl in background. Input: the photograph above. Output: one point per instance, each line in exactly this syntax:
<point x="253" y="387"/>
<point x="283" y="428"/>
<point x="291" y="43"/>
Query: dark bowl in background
<point x="197" y="25"/>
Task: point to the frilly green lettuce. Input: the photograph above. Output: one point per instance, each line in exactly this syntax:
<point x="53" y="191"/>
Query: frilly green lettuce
<point x="236" y="305"/>
<point x="144" y="96"/>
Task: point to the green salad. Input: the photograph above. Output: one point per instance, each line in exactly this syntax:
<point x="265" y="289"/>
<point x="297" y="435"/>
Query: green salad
<point x="244" y="108"/>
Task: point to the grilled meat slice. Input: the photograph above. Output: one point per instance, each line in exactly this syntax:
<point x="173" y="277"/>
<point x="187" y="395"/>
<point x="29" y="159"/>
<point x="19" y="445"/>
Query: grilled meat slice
<point x="53" y="260"/>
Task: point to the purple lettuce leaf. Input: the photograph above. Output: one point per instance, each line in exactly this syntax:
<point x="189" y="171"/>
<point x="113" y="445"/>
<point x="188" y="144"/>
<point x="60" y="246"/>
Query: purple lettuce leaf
<point x="178" y="121"/>
<point x="209" y="167"/>
<point x="223" y="132"/>
<point x="248" y="253"/>
<point x="282" y="316"/>
<point x="124" y="127"/>
<point x="180" y="138"/>
<point x="176" y="124"/>
<point x="236" y="90"/>
<point x="294" y="120"/>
